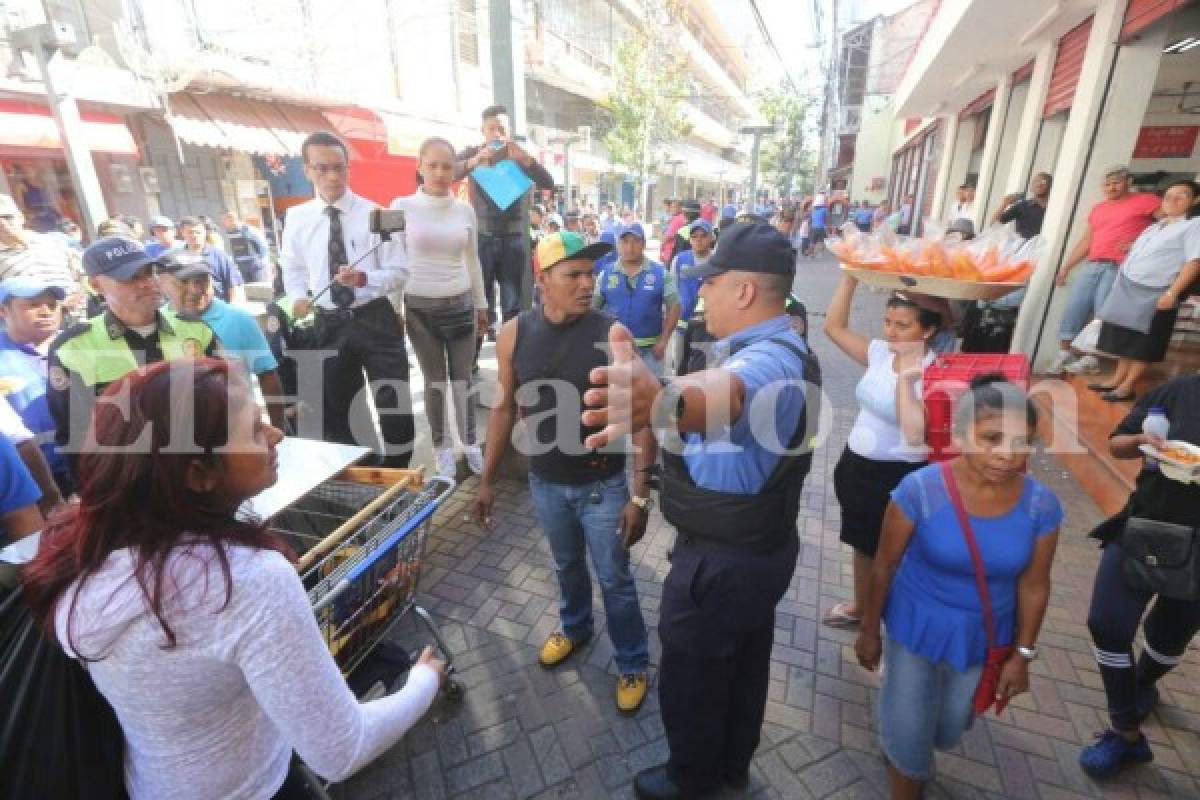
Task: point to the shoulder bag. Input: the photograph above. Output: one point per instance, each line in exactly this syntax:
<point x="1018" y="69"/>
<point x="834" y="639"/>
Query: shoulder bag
<point x="989" y="681"/>
<point x="1162" y="558"/>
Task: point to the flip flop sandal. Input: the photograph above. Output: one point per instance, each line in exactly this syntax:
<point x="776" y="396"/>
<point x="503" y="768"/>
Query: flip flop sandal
<point x="1113" y="397"/>
<point x="1100" y="387"/>
<point x="838" y="618"/>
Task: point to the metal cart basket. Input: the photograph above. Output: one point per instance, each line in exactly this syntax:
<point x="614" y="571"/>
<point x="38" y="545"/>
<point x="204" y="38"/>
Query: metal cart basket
<point x="361" y="538"/>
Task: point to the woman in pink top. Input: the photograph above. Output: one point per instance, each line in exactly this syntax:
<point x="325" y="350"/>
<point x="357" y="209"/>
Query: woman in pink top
<point x="1112" y="226"/>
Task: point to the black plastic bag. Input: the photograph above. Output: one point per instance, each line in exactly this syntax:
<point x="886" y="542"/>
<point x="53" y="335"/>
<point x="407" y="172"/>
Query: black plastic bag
<point x="59" y="738"/>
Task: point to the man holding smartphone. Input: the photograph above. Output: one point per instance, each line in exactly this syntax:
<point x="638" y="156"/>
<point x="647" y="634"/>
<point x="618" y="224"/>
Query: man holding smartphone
<point x="502" y="232"/>
<point x="582" y="496"/>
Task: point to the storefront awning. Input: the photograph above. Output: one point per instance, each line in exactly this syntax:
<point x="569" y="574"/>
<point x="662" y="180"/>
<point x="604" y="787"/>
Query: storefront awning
<point x="251" y="126"/>
<point x="25" y="126"/>
<point x="969" y="46"/>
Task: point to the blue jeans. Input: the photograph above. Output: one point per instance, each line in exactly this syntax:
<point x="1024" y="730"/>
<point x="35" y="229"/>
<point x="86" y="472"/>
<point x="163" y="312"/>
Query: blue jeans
<point x="922" y="705"/>
<point x="1090" y="286"/>
<point x="586" y="517"/>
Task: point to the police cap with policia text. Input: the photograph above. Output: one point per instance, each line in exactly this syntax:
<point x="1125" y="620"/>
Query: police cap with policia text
<point x="748" y="247"/>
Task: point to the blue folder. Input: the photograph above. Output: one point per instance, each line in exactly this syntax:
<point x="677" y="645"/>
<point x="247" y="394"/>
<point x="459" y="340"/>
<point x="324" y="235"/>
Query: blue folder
<point x="504" y="183"/>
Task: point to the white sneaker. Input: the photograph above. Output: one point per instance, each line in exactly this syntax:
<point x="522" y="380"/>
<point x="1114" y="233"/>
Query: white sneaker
<point x="1060" y="362"/>
<point x="446" y="463"/>
<point x="1088" y="365"/>
<point x="474" y="458"/>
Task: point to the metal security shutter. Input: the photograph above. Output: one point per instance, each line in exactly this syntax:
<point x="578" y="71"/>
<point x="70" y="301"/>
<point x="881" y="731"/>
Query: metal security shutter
<point x="1141" y="14"/>
<point x="467" y="21"/>
<point x="1067" y="64"/>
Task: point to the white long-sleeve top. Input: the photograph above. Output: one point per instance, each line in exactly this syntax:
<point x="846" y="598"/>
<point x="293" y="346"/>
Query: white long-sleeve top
<point x="219" y="714"/>
<point x="442" y="246"/>
<point x="304" y="252"/>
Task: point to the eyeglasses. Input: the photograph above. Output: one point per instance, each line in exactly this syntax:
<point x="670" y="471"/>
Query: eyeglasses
<point x="325" y="169"/>
<point x="8" y="217"/>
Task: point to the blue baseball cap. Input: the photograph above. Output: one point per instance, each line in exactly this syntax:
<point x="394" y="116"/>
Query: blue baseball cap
<point x="700" y="225"/>
<point x="27" y="286"/>
<point x="748" y="247"/>
<point x="632" y="229"/>
<point x="118" y="257"/>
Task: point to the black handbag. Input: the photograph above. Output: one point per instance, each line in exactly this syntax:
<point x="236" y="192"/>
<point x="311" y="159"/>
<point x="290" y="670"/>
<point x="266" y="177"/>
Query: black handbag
<point x="448" y="322"/>
<point x="1162" y="557"/>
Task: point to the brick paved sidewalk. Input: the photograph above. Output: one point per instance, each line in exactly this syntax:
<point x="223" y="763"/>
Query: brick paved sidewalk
<point x="522" y="731"/>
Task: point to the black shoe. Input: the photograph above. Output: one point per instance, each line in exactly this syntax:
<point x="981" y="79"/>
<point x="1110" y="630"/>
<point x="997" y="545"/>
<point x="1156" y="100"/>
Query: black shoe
<point x="655" y="784"/>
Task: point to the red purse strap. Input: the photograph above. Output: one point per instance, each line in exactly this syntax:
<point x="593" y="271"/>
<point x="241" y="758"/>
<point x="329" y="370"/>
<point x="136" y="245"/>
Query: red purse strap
<point x="964" y="522"/>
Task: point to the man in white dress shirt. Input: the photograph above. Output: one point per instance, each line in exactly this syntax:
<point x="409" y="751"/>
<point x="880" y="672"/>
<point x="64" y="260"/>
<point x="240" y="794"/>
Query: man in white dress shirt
<point x="323" y="242"/>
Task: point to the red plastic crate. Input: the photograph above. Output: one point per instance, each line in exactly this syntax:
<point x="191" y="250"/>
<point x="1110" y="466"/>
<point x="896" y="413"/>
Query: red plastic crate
<point x="947" y="377"/>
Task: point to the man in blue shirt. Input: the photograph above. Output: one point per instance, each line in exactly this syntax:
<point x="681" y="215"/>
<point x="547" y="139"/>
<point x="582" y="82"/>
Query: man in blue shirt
<point x="226" y="277"/>
<point x="641" y="294"/>
<point x="186" y="281"/>
<point x="816" y="228"/>
<point x="249" y="248"/>
<point x="736" y="442"/>
<point x="32" y="310"/>
<point x="700" y="235"/>
<point x="162" y="232"/>
<point x="19" y="513"/>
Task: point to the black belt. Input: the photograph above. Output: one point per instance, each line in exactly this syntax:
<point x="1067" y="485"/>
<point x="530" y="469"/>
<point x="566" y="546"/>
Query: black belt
<point x="343" y="314"/>
<point x="504" y="235"/>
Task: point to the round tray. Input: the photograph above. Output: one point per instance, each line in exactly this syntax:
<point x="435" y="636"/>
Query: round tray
<point x="936" y="287"/>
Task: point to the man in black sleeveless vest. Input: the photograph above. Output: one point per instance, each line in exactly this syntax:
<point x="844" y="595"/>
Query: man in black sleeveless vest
<point x="736" y="442"/>
<point x="582" y="498"/>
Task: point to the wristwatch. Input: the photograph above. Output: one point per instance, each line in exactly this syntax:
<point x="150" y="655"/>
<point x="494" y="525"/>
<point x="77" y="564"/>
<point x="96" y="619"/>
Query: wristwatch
<point x="1027" y="653"/>
<point x="646" y="504"/>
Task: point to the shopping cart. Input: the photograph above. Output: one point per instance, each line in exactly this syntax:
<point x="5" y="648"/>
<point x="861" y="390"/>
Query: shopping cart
<point x="361" y="538"/>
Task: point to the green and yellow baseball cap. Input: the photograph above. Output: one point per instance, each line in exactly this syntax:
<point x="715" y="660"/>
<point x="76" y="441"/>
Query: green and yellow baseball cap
<point x="562" y="246"/>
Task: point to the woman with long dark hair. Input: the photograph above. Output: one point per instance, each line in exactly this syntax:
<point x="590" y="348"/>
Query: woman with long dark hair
<point x="190" y="617"/>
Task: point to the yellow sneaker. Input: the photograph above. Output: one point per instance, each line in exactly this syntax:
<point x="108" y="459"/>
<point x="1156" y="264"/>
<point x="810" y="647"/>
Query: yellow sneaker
<point x="631" y="691"/>
<point x="555" y="650"/>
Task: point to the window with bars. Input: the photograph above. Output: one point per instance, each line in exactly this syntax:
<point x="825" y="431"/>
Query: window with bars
<point x="468" y="32"/>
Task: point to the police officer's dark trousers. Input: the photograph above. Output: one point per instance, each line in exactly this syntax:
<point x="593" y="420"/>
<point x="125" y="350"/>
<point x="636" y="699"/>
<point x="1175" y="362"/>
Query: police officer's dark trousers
<point x="717" y="625"/>
<point x="367" y="338"/>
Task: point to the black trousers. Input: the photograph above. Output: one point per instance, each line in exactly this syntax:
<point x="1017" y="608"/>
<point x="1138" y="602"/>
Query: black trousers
<point x="502" y="257"/>
<point x="1113" y="620"/>
<point x="367" y="339"/>
<point x="717" y="625"/>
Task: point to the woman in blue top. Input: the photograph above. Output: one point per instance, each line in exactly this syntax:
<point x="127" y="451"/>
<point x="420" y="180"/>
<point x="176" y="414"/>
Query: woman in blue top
<point x="923" y="581"/>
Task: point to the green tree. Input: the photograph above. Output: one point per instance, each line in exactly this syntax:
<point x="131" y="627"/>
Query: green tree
<point x="787" y="160"/>
<point x="644" y="108"/>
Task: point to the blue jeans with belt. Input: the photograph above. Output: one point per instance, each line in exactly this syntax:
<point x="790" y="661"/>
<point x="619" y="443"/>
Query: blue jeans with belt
<point x="586" y="517"/>
<point x="1089" y="289"/>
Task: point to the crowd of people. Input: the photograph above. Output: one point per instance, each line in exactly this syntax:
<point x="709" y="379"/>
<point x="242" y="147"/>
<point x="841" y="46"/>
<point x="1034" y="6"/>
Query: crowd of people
<point x="690" y="373"/>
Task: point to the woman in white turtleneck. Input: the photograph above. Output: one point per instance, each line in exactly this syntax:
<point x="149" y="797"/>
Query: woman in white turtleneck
<point x="444" y="301"/>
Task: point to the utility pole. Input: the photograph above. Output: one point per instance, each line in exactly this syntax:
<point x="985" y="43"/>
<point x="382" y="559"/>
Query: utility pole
<point x="674" y="164"/>
<point x="46" y="42"/>
<point x="566" y="142"/>
<point x="829" y="110"/>
<point x="757" y="131"/>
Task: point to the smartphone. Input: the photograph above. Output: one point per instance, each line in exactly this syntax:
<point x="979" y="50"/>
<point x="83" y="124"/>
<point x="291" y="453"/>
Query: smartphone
<point x="496" y="144"/>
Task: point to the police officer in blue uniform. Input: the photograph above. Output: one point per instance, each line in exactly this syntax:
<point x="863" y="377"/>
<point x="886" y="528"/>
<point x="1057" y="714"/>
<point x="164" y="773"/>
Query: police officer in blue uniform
<point x="641" y="294"/>
<point x="736" y="441"/>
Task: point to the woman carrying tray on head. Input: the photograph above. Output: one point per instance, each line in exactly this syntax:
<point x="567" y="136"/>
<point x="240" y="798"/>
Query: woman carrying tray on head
<point x="1139" y="314"/>
<point x="191" y="619"/>
<point x="1130" y="684"/>
<point x="888" y="438"/>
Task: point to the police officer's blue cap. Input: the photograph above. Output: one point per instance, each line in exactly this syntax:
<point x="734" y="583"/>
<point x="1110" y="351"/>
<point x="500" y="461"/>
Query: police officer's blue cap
<point x="119" y="257"/>
<point x="748" y="247"/>
<point x="632" y="229"/>
<point x="27" y="286"/>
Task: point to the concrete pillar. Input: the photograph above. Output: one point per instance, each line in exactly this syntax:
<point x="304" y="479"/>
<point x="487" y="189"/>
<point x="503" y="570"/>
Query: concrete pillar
<point x="1014" y="118"/>
<point x="944" y="187"/>
<point x="1110" y="102"/>
<point x="1021" y="164"/>
<point x="991" y="149"/>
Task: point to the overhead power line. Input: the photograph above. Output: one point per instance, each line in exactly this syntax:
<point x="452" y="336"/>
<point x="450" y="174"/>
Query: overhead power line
<point x="766" y="33"/>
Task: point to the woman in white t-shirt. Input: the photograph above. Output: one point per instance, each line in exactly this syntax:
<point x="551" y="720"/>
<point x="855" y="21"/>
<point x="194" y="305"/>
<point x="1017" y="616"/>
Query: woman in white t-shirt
<point x="888" y="438"/>
<point x="189" y="616"/>
<point x="444" y="301"/>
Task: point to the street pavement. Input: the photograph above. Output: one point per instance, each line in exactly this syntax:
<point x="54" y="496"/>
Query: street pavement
<point x="521" y="731"/>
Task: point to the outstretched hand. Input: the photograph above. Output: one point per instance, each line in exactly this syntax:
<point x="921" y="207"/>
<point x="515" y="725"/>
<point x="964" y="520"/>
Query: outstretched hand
<point x="623" y="401"/>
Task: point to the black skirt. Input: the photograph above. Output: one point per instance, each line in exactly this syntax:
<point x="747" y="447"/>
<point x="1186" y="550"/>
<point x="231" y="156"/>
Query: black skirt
<point x="1149" y="347"/>
<point x="863" y="487"/>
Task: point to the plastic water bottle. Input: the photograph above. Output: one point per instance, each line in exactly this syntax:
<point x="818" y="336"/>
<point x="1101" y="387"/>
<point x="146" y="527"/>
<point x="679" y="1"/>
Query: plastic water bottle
<point x="1156" y="424"/>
